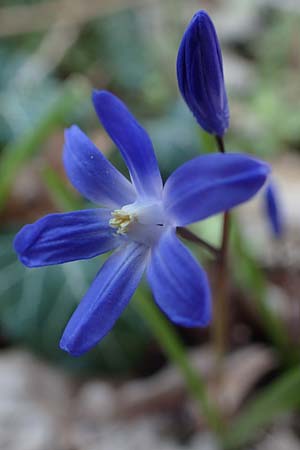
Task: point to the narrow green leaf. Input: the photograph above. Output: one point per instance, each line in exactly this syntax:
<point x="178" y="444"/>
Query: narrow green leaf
<point x="250" y="277"/>
<point x="176" y="352"/>
<point x="281" y="396"/>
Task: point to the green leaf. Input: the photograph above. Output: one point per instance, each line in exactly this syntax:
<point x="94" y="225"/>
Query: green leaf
<point x="281" y="396"/>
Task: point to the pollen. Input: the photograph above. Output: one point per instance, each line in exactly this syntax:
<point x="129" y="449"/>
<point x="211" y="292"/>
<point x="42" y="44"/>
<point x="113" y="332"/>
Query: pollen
<point x="121" y="220"/>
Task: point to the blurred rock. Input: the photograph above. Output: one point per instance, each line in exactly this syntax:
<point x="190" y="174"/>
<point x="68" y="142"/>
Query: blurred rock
<point x="146" y="433"/>
<point x="96" y="401"/>
<point x="244" y="368"/>
<point x="34" y="400"/>
<point x="282" y="439"/>
<point x="165" y="391"/>
<point x="43" y="409"/>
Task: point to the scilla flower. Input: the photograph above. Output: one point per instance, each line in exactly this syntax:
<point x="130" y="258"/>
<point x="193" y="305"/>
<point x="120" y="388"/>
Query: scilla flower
<point x="139" y="220"/>
<point x="273" y="210"/>
<point x="200" y="75"/>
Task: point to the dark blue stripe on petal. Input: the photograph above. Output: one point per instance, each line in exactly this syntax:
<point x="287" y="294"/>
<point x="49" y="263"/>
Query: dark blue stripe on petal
<point x="210" y="184"/>
<point x="180" y="286"/>
<point x="132" y="141"/>
<point x="92" y="174"/>
<point x="60" y="238"/>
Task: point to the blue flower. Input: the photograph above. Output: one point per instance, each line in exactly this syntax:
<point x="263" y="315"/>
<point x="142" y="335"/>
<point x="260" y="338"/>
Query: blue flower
<point x="200" y="75"/>
<point x="139" y="220"/>
<point x="273" y="210"/>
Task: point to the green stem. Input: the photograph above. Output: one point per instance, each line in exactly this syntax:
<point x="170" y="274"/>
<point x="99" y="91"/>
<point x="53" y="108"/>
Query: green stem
<point x="175" y="351"/>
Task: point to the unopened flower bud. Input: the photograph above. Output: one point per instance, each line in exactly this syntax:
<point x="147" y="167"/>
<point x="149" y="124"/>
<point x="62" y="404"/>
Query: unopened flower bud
<point x="200" y="75"/>
<point x="273" y="210"/>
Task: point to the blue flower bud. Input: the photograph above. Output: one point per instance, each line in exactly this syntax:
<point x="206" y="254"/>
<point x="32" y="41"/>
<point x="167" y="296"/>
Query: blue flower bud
<point x="200" y="75"/>
<point x="273" y="210"/>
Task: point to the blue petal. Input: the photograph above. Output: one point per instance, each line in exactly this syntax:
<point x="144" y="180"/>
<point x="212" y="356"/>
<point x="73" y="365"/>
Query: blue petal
<point x="180" y="286"/>
<point x="105" y="300"/>
<point x="200" y="75"/>
<point x="92" y="174"/>
<point x="60" y="238"/>
<point x="211" y="184"/>
<point x="273" y="210"/>
<point x="132" y="141"/>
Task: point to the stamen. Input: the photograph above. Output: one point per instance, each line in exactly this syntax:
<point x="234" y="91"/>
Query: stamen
<point x="121" y="220"/>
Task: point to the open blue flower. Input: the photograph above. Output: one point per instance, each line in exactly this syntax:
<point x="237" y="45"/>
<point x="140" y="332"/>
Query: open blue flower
<point x="200" y="75"/>
<point x="139" y="220"/>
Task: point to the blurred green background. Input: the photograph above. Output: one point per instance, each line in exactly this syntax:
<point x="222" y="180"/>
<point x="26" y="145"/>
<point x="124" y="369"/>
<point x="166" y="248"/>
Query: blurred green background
<point x="52" y="54"/>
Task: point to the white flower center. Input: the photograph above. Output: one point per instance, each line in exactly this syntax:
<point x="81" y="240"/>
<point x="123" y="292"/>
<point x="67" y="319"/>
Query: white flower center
<point x="140" y="222"/>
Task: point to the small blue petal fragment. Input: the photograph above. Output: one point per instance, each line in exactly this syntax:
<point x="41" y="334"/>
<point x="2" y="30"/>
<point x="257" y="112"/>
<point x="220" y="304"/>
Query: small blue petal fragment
<point x="106" y="299"/>
<point x="132" y="141"/>
<point x="92" y="174"/>
<point x="273" y="210"/>
<point x="179" y="284"/>
<point x="60" y="238"/>
<point x="200" y="75"/>
<point x="211" y="184"/>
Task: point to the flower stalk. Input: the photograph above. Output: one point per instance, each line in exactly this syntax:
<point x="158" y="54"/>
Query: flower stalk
<point x="187" y="234"/>
<point x="220" y="323"/>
